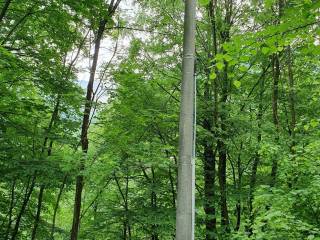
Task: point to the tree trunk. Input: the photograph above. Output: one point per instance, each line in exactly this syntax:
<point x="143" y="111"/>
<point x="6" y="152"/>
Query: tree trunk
<point x="54" y="118"/>
<point x="23" y="207"/>
<point x="124" y="196"/>
<point x="84" y="133"/>
<point x="224" y="81"/>
<point x="56" y="207"/>
<point x="222" y="174"/>
<point x="209" y="192"/>
<point x="185" y="197"/>
<point x="154" y="228"/>
<point x="292" y="99"/>
<point x="275" y="96"/>
<point x="37" y="219"/>
<point x="86" y="120"/>
<point x="210" y="120"/>
<point x="172" y="187"/>
<point x="10" y="209"/>
<point x="222" y="149"/>
<point x="256" y="161"/>
<point x="238" y="186"/>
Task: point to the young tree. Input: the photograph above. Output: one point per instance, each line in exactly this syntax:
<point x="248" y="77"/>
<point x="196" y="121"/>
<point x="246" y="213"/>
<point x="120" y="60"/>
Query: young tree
<point x="112" y="6"/>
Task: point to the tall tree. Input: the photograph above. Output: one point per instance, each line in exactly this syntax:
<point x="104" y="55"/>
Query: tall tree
<point x="113" y="5"/>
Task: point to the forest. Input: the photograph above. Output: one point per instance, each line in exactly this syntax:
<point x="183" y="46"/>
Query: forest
<point x="91" y="102"/>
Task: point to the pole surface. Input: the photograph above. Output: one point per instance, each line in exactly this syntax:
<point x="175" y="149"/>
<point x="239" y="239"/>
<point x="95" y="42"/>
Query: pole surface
<point x="186" y="168"/>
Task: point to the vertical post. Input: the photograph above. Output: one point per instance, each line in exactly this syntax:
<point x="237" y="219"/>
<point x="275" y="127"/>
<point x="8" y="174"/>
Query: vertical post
<point x="186" y="168"/>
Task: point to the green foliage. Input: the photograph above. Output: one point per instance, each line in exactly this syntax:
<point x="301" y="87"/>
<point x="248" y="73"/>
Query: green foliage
<point x="130" y="168"/>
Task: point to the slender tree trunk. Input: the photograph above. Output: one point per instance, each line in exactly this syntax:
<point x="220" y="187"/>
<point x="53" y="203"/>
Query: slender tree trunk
<point x="126" y="203"/>
<point x="86" y="119"/>
<point x="84" y="133"/>
<point x="275" y="96"/>
<point x="37" y="219"/>
<point x="33" y="181"/>
<point x="239" y="191"/>
<point x="4" y="9"/>
<point x="124" y="195"/>
<point x="172" y="186"/>
<point x="292" y="99"/>
<point x="54" y="117"/>
<point x="124" y="236"/>
<point x="56" y="207"/>
<point x="223" y="115"/>
<point x="41" y="192"/>
<point x="209" y="192"/>
<point x="10" y="209"/>
<point x="222" y="174"/>
<point x="210" y="120"/>
<point x="222" y="149"/>
<point x="23" y="208"/>
<point x="154" y="230"/>
<point x="256" y="161"/>
<point x="209" y="171"/>
<point x="185" y="198"/>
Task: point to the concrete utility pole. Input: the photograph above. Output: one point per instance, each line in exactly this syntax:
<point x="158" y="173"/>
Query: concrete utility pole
<point x="186" y="167"/>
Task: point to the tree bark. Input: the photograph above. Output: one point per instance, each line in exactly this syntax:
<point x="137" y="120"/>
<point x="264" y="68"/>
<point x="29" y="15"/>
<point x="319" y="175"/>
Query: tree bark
<point x="209" y="191"/>
<point x="275" y="96"/>
<point x="56" y="207"/>
<point x="292" y="98"/>
<point x="37" y="219"/>
<point x="172" y="187"/>
<point x="292" y="103"/>
<point x="223" y="114"/>
<point x="222" y="150"/>
<point x="154" y="230"/>
<point x="239" y="190"/>
<point x="210" y="124"/>
<point x="10" y="209"/>
<point x="84" y="133"/>
<point x="23" y="207"/>
<point x="86" y="120"/>
<point x="256" y="161"/>
<point x="53" y="119"/>
<point x="124" y="195"/>
<point x="222" y="174"/>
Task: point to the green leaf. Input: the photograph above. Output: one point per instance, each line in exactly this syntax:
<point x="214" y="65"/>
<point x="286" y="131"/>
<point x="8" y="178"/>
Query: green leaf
<point x="280" y="48"/>
<point x="232" y="63"/>
<point x="204" y="3"/>
<point x="244" y="58"/>
<point x="227" y="57"/>
<point x="220" y="65"/>
<point x="314" y="123"/>
<point x="219" y="57"/>
<point x="265" y="50"/>
<point x="243" y="68"/>
<point x="213" y="75"/>
<point x="237" y="84"/>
